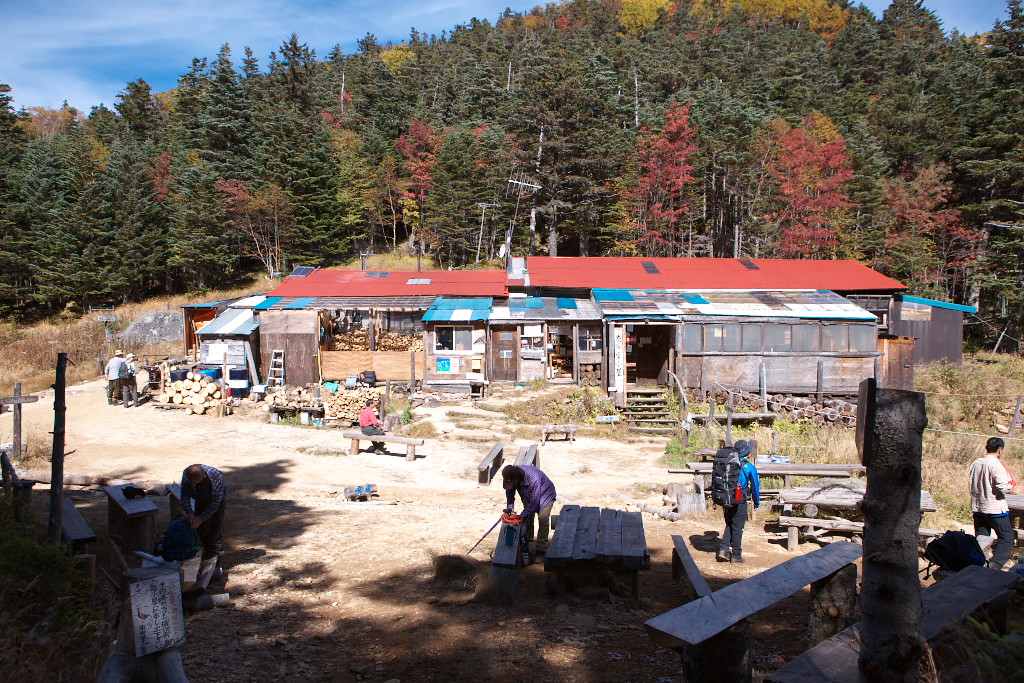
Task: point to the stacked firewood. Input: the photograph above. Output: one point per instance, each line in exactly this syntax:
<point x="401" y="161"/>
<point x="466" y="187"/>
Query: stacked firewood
<point x="347" y="404"/>
<point x="293" y="398"/>
<point x="828" y="411"/>
<point x="197" y="391"/>
<point x="590" y="375"/>
<point x="359" y="340"/>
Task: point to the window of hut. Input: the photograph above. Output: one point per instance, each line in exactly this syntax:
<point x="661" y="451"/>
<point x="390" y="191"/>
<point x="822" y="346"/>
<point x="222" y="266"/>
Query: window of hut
<point x="807" y="338"/>
<point x="591" y="339"/>
<point x="713" y="335"/>
<point x="693" y="337"/>
<point x="778" y="337"/>
<point x="453" y="339"/>
<point x="862" y="338"/>
<point x="835" y="338"/>
<point x="731" y="337"/>
<point x="751" y="337"/>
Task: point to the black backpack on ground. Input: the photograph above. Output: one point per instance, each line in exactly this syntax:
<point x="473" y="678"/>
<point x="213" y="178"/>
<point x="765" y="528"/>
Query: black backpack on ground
<point x="955" y="550"/>
<point x="179" y="542"/>
<point x="725" y="476"/>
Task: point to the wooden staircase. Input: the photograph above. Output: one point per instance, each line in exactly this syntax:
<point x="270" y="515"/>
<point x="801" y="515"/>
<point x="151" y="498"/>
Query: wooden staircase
<point x="646" y="412"/>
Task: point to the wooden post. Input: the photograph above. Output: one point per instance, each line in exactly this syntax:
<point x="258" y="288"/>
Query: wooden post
<point x="725" y="657"/>
<point x="412" y="369"/>
<point x="373" y="331"/>
<point x="762" y="378"/>
<point x="890" y="424"/>
<point x="833" y="604"/>
<point x="17" y="422"/>
<point x="56" y="521"/>
<point x="1013" y="424"/>
<point x="821" y="381"/>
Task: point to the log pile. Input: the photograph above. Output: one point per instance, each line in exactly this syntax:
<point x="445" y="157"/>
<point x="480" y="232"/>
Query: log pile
<point x="347" y="405"/>
<point x="829" y="411"/>
<point x="197" y="392"/>
<point x="293" y="398"/>
<point x="590" y="375"/>
<point x="359" y="340"/>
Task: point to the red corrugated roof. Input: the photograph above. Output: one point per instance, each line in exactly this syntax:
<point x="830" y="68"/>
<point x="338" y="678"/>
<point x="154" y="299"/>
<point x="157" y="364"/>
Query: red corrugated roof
<point x="396" y="283"/>
<point x="705" y="273"/>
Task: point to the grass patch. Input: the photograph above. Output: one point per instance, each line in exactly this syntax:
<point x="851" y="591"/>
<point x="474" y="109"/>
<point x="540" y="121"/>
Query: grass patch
<point x="419" y="430"/>
<point x="570" y="405"/>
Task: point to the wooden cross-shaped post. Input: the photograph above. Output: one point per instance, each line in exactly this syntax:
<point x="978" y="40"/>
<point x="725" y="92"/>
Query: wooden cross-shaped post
<point x="1018" y="419"/>
<point x="16" y="401"/>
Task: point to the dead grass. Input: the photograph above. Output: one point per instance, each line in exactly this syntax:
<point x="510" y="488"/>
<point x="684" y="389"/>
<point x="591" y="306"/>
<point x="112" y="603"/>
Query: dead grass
<point x="29" y="354"/>
<point x="419" y="430"/>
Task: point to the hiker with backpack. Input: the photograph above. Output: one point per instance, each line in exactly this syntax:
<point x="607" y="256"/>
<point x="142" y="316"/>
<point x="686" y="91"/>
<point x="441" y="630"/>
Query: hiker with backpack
<point x="990" y="482"/>
<point x="203" y="495"/>
<point x="112" y="371"/>
<point x="734" y="479"/>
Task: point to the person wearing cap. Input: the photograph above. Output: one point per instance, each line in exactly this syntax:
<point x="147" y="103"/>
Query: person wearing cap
<point x="113" y="374"/>
<point x="129" y="378"/>
<point x="748" y="485"/>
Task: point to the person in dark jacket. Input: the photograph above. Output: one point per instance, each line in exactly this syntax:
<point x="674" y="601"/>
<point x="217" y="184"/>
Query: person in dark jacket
<point x="203" y="500"/>
<point x="537" y="493"/>
<point x="749" y="483"/>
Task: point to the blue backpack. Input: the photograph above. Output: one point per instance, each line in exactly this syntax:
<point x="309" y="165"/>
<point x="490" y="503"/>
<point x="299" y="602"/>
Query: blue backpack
<point x="179" y="542"/>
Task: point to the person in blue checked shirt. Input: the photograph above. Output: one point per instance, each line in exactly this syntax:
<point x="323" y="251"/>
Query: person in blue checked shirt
<point x="203" y="500"/>
<point x="749" y="488"/>
<point x="538" y="496"/>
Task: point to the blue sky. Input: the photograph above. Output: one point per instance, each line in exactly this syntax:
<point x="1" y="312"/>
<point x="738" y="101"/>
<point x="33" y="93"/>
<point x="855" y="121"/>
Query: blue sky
<point x="85" y="51"/>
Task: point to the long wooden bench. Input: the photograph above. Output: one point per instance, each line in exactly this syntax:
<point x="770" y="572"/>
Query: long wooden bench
<point x="967" y="593"/>
<point x="528" y="455"/>
<point x="409" y="443"/>
<point x="711" y="633"/>
<point x="491" y="463"/>
<point x="591" y="540"/>
<point x="569" y="431"/>
<point x="75" y="530"/>
<point x="785" y="470"/>
<point x="838" y="497"/>
<point x="131" y="521"/>
<point x="683" y="565"/>
<point x="797" y="527"/>
<point x="174" y="501"/>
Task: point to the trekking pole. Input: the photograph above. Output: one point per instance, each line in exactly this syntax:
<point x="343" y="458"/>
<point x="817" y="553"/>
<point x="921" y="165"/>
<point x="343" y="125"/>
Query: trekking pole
<point x="484" y="536"/>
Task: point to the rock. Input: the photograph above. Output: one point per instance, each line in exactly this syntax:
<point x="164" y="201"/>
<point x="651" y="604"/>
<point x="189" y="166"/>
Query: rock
<point x="647" y="602"/>
<point x="431" y="600"/>
<point x="1002" y="429"/>
<point x="158" y="327"/>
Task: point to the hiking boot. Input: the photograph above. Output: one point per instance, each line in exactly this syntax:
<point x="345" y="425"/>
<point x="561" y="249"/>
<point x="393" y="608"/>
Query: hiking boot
<point x="737" y="559"/>
<point x="722" y="555"/>
<point x="380" y="451"/>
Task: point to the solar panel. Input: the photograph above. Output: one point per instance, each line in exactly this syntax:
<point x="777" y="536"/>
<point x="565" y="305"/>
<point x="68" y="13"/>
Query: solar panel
<point x="377" y="273"/>
<point x="302" y="271"/>
<point x="650" y="267"/>
<point x="418" y="281"/>
<point x="748" y="264"/>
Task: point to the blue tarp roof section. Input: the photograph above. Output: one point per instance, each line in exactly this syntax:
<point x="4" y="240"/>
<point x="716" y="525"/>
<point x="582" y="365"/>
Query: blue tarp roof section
<point x="566" y="304"/>
<point x="695" y="298"/>
<point x="612" y="295"/>
<point x="446" y="304"/>
<point x="212" y="304"/>
<point x="465" y="315"/>
<point x="300" y="303"/>
<point x="525" y="302"/>
<point x="234" y="321"/>
<point x="267" y="303"/>
<point x="937" y="304"/>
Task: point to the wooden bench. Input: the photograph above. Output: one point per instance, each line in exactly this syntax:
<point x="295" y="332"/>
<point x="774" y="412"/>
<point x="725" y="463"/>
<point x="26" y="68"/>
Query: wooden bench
<point x="810" y="526"/>
<point x="528" y="455"/>
<point x="174" y="501"/>
<point x="784" y="470"/>
<point x="974" y="591"/>
<point x="75" y="530"/>
<point x="409" y="443"/>
<point x="131" y="522"/>
<point x="591" y="540"/>
<point x="683" y="565"/>
<point x="711" y="633"/>
<point x="507" y="559"/>
<point x="568" y="430"/>
<point x="490" y="465"/>
<point x="838" y="497"/>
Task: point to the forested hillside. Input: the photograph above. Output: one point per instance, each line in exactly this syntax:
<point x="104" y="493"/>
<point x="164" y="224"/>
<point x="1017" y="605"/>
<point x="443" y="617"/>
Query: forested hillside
<point x="752" y="128"/>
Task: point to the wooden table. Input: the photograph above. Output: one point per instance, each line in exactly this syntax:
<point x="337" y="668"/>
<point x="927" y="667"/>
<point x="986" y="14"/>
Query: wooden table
<point x="131" y="521"/>
<point x="591" y="540"/>
<point x="838" y="497"/>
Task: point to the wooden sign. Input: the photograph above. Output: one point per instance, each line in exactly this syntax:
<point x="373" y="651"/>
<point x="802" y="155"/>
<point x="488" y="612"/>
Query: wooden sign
<point x="157" y="619"/>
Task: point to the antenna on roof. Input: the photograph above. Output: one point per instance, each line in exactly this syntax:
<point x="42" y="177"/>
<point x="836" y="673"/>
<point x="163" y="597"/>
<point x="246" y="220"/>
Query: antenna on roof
<point x="363" y="255"/>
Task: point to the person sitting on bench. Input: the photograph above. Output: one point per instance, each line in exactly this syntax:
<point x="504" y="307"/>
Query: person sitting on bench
<point x="538" y="496"/>
<point x="371" y="426"/>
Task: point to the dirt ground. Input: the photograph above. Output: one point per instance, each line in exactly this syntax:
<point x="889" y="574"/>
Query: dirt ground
<point x="329" y="590"/>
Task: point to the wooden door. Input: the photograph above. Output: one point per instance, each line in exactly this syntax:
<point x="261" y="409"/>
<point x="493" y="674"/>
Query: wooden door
<point x="652" y="345"/>
<point x="897" y="363"/>
<point x="502" y="355"/>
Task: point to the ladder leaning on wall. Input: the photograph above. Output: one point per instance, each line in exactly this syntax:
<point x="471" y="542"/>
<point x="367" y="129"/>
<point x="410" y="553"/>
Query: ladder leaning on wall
<point x="275" y="376"/>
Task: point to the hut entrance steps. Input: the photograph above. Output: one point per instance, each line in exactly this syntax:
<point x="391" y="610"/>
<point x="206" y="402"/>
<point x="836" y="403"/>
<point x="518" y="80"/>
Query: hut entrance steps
<point x="275" y="376"/>
<point x="646" y="412"/>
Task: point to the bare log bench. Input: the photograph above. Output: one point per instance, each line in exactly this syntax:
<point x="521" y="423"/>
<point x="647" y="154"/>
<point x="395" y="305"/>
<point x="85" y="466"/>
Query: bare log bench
<point x="528" y="455"/>
<point x="409" y="443"/>
<point x="974" y="591"/>
<point x="712" y="635"/>
<point x="684" y="566"/>
<point x="569" y="431"/>
<point x="75" y="530"/>
<point x="131" y="522"/>
<point x="507" y="560"/>
<point x="799" y="527"/>
<point x="490" y="465"/>
<point x="174" y="500"/>
<point x="590" y="540"/>
<point x="784" y="470"/>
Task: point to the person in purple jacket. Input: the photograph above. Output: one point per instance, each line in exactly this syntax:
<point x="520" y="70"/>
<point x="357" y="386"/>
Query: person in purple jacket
<point x="538" y="496"/>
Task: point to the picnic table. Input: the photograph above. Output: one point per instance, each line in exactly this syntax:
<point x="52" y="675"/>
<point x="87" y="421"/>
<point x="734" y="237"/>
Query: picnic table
<point x="131" y="521"/>
<point x="589" y="541"/>
<point x="837" y="497"/>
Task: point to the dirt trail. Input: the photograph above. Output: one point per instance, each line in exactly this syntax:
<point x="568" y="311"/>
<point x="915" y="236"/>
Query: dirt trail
<point x="328" y="590"/>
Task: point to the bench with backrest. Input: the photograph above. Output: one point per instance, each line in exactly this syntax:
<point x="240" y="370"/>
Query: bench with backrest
<point x="971" y="592"/>
<point x="409" y="443"/>
<point x="131" y="521"/>
<point x="711" y="633"/>
<point x="491" y="463"/>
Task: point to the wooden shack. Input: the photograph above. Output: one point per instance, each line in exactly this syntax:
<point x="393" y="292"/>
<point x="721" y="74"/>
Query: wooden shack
<point x="937" y="327"/>
<point x="231" y="340"/>
<point x="559" y="339"/>
<point x="456" y="344"/>
<point x="784" y="341"/>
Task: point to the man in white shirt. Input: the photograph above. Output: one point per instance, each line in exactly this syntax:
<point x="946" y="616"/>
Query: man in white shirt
<point x="990" y="482"/>
<point x="113" y="375"/>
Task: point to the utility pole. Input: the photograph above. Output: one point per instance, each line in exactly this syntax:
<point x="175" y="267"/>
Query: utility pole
<point x="480" y="238"/>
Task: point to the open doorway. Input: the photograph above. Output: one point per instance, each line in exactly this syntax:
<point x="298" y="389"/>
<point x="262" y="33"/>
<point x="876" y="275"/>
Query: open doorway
<point x="647" y="350"/>
<point x="560" y="352"/>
